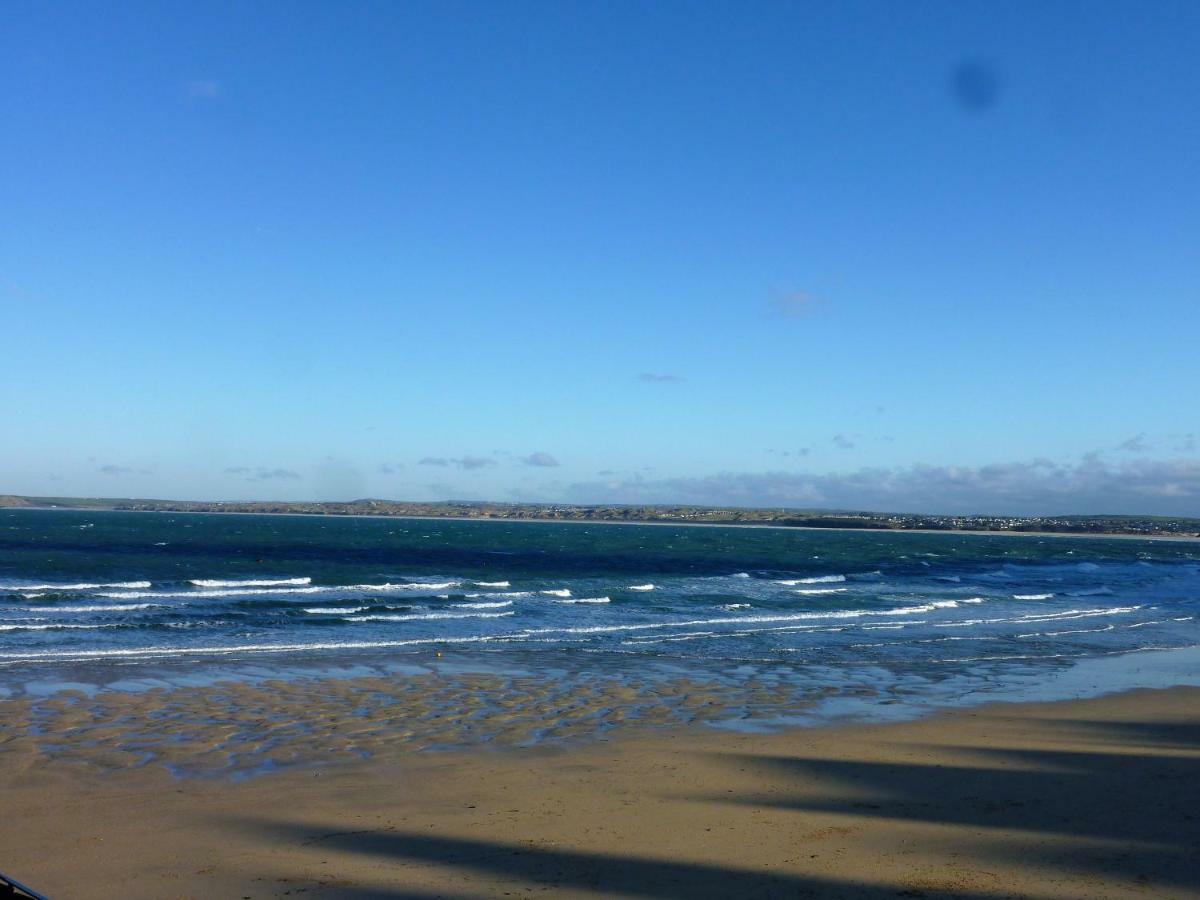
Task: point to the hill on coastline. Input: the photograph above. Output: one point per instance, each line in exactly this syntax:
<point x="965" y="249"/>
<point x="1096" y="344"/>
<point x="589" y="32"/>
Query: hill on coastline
<point x="662" y="514"/>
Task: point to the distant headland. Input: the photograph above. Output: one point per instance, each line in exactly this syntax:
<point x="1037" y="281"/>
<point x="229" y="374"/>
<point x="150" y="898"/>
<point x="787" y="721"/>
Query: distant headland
<point x="1146" y="526"/>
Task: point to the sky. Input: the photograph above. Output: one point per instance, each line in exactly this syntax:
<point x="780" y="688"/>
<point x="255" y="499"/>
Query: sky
<point x="929" y="256"/>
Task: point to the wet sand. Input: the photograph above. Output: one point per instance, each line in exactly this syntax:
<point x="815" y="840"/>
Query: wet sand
<point x="1091" y="798"/>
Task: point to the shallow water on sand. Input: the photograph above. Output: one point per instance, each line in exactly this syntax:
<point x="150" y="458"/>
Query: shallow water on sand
<point x="554" y="631"/>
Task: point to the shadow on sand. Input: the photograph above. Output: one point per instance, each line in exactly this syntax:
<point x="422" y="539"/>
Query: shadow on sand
<point x="578" y="870"/>
<point x="1128" y="814"/>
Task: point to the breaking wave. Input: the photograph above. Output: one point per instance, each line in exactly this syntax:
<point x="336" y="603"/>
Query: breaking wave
<point x="815" y="579"/>
<point x="249" y="582"/>
<point x="81" y="586"/>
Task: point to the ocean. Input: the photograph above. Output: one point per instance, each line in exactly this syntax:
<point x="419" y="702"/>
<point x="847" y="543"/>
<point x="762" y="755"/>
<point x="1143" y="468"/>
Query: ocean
<point x="110" y="599"/>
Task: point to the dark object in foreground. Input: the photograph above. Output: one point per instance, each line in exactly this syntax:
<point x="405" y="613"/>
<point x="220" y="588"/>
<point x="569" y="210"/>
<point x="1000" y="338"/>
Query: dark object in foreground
<point x="11" y="888"/>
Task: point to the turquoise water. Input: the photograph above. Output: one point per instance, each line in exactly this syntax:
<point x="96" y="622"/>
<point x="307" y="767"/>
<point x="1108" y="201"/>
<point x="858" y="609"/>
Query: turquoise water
<point x="95" y="589"/>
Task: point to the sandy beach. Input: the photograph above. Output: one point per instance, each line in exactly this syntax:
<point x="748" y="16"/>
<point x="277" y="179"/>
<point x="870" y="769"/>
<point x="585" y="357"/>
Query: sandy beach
<point x="1090" y="798"/>
<point x="351" y="349"/>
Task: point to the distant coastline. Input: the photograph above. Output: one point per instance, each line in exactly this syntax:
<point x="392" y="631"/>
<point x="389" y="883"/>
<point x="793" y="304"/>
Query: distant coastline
<point x="1111" y="526"/>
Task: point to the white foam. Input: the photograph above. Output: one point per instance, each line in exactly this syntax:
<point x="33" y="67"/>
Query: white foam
<point x="1079" y="614"/>
<point x="558" y="592"/>
<point x="491" y="583"/>
<point x="389" y="587"/>
<point x="741" y="620"/>
<point x="1091" y="592"/>
<point x="500" y="604"/>
<point x="504" y="594"/>
<point x="385" y="588"/>
<point x="82" y="586"/>
<point x="1032" y="619"/>
<point x="1014" y="656"/>
<point x="230" y="592"/>
<point x="405" y="586"/>
<point x="53" y="627"/>
<point x="806" y="629"/>
<point x="733" y="606"/>
<point x="97" y="607"/>
<point x="585" y="600"/>
<point x="155" y="652"/>
<point x="250" y="582"/>
<point x="426" y="617"/>
<point x="938" y="640"/>
<point x="785" y="629"/>
<point x="641" y="587"/>
<point x="816" y="579"/>
<point x="1072" y="631"/>
<point x="1032" y="596"/>
<point x="334" y="610"/>
<point x="812" y="591"/>
<point x="686" y="636"/>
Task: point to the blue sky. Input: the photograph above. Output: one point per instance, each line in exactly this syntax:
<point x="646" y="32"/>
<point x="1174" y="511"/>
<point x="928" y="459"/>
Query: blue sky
<point x="935" y="256"/>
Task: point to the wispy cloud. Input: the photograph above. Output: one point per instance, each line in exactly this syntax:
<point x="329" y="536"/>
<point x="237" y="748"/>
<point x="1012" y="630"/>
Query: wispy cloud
<point x="544" y="460"/>
<point x="111" y="469"/>
<point x="842" y="442"/>
<point x="269" y="474"/>
<point x="463" y="462"/>
<point x="390" y="468"/>
<point x="795" y="305"/>
<point x="474" y="462"/>
<point x="1036" y="487"/>
<point x="1135" y="444"/>
<point x="660" y="377"/>
<point x="262" y="473"/>
<point x="203" y="89"/>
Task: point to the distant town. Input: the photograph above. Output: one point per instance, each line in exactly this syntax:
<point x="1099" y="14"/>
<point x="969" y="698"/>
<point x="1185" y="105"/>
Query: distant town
<point x="1150" y="526"/>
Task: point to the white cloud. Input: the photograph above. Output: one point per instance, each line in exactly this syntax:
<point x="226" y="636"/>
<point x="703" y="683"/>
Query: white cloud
<point x="462" y="462"/>
<point x="203" y="89"/>
<point x="1040" y="486"/>
<point x="262" y="473"/>
<point x="1135" y="444"/>
<point x="541" y="459"/>
<point x="795" y="305"/>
